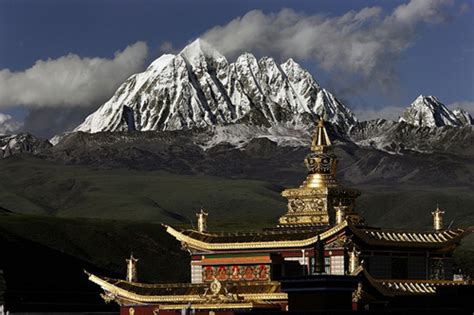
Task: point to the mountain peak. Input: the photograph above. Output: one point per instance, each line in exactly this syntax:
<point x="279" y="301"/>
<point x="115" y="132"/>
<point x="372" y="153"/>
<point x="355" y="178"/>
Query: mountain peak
<point x="463" y="116"/>
<point x="428" y="111"/>
<point x="199" y="88"/>
<point x="291" y="62"/>
<point x="427" y="99"/>
<point x="198" y="48"/>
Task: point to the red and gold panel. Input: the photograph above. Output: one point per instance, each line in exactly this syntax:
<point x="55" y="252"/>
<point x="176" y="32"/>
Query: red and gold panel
<point x="256" y="272"/>
<point x="243" y="260"/>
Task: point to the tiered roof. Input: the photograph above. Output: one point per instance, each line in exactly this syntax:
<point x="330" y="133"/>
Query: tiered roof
<point x="240" y="294"/>
<point x="286" y="238"/>
<point x="431" y="239"/>
<point x="406" y="287"/>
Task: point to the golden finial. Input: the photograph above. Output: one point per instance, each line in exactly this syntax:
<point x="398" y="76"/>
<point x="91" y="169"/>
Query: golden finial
<point x="437" y="218"/>
<point x="321" y="122"/>
<point x="340" y="213"/>
<point x="132" y="269"/>
<point x="202" y="220"/>
<point x="320" y="138"/>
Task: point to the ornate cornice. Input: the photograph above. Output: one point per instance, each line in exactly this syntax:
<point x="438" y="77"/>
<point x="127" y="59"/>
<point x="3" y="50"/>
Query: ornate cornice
<point x="201" y="245"/>
<point x="113" y="292"/>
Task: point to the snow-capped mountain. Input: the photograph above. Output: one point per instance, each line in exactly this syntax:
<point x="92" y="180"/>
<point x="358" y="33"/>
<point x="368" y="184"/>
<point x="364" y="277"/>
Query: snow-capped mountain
<point x="399" y="137"/>
<point x="198" y="88"/>
<point x="428" y="111"/>
<point x="21" y="143"/>
<point x="463" y="116"/>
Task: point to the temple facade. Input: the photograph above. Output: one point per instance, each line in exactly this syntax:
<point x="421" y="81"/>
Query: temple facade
<point x="321" y="244"/>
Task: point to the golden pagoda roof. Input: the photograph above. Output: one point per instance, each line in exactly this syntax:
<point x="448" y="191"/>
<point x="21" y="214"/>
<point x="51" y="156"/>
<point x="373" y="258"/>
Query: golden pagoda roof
<point x="384" y="237"/>
<point x="417" y="286"/>
<point x="287" y="238"/>
<point x="397" y="287"/>
<point x="249" y="293"/>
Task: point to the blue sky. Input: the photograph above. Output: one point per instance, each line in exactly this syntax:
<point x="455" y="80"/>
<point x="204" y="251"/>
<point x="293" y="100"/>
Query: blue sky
<point x="434" y="55"/>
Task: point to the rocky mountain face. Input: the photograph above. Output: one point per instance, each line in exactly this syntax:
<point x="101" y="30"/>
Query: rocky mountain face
<point x="463" y="116"/>
<point x="196" y="113"/>
<point x="428" y="111"/>
<point x="401" y="137"/>
<point x="260" y="158"/>
<point x="237" y="102"/>
<point x="426" y="126"/>
<point x="22" y="143"/>
<point x="199" y="88"/>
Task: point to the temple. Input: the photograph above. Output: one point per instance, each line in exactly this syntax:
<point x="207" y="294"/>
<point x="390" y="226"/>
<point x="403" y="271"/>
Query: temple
<point x="319" y="255"/>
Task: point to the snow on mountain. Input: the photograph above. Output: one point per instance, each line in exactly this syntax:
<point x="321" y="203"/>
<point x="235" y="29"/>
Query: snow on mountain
<point x="463" y="116"/>
<point x="199" y="88"/>
<point x="428" y="111"/>
<point x="21" y="143"/>
<point x="399" y="137"/>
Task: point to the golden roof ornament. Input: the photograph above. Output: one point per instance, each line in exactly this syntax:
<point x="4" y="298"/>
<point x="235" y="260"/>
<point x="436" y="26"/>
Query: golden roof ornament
<point x="340" y="212"/>
<point x="215" y="286"/>
<point x="321" y="141"/>
<point x="437" y="219"/>
<point x="354" y="260"/>
<point x="132" y="269"/>
<point x="202" y="220"/>
<point x="321" y="162"/>
<point x="315" y="202"/>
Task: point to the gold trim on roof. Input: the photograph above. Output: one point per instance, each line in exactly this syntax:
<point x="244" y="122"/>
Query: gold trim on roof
<point x="393" y="287"/>
<point x="423" y="237"/>
<point x="201" y="245"/>
<point x="378" y="235"/>
<point x="118" y="292"/>
<point x="418" y="286"/>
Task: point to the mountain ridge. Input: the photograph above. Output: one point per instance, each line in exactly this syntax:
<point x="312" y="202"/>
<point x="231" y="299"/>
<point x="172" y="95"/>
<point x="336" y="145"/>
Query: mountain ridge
<point x="428" y="111"/>
<point x="199" y="88"/>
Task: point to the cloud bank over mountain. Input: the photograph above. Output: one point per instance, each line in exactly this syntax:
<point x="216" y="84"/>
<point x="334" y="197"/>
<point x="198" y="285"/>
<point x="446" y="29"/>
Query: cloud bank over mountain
<point x="365" y="42"/>
<point x="358" y="49"/>
<point x="8" y="124"/>
<point x="71" y="80"/>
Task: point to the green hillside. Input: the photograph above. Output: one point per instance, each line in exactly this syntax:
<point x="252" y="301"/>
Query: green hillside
<point x="34" y="186"/>
<point x="101" y="215"/>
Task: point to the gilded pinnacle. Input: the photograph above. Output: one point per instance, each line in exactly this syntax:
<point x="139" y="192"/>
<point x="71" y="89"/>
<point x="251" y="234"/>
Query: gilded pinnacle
<point x="320" y="138"/>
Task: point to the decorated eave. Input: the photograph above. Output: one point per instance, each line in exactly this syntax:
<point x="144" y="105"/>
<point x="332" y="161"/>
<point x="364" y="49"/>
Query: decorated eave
<point x="274" y="239"/>
<point x="430" y="239"/>
<point x="407" y="287"/>
<point x="212" y="241"/>
<point x="215" y="295"/>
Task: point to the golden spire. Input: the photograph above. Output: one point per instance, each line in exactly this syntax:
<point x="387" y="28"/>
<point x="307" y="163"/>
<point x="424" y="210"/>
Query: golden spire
<point x="321" y="140"/>
<point x="314" y="202"/>
<point x="202" y="220"/>
<point x="132" y="269"/>
<point x="437" y="219"/>
<point x="340" y="213"/>
<point x="321" y="162"/>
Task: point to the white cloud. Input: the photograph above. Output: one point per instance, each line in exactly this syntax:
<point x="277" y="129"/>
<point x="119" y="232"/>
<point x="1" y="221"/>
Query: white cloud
<point x="364" y="42"/>
<point x="389" y="112"/>
<point x="467" y="105"/>
<point x="70" y="80"/>
<point x="167" y="48"/>
<point x="8" y="124"/>
<point x="394" y="112"/>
